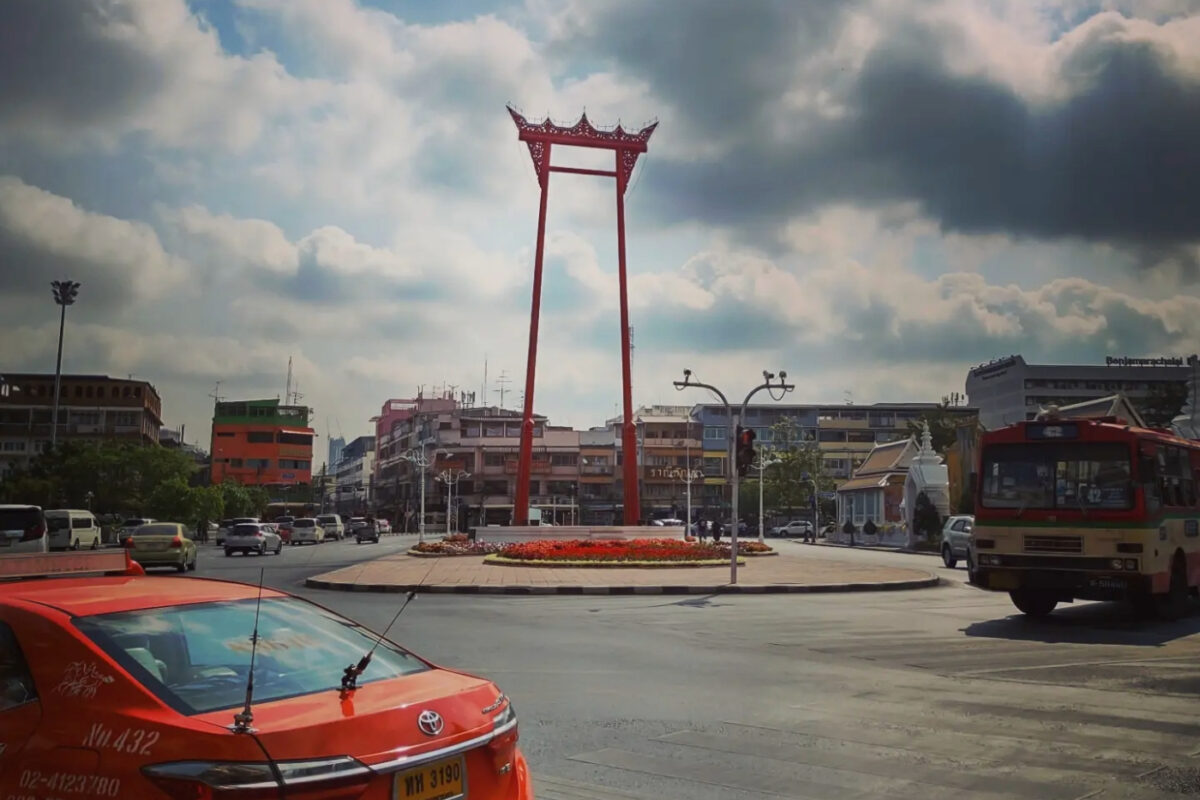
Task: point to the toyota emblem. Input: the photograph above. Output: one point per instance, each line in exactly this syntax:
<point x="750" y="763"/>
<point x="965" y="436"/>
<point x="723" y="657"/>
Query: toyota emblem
<point x="430" y="723"/>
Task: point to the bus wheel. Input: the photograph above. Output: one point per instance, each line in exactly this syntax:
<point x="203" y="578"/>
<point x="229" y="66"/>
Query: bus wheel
<point x="1174" y="603"/>
<point x="1033" y="603"/>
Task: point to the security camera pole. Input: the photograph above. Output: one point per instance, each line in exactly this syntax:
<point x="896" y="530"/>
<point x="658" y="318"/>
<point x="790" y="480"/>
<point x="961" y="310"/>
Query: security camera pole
<point x="734" y="421"/>
<point x="64" y="295"/>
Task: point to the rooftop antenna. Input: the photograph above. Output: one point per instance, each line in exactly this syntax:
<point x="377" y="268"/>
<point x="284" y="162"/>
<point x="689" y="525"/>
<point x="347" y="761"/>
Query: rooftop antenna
<point x="503" y="380"/>
<point x="287" y="391"/>
<point x="216" y="392"/>
<point x="243" y="720"/>
<point x="484" y="388"/>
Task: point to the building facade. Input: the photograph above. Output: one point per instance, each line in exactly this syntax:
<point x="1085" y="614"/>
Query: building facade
<point x="336" y="445"/>
<point x="475" y="449"/>
<point x="1010" y="390"/>
<point x="91" y="408"/>
<point x="845" y="434"/>
<point x="261" y="443"/>
<point x="354" y="477"/>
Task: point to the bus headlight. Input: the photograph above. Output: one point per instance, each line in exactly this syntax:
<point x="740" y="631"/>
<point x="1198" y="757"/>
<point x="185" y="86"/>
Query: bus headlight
<point x="1131" y="563"/>
<point x="1118" y="563"/>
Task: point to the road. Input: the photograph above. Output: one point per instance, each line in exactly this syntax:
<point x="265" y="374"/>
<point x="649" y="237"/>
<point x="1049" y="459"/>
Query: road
<point x="938" y="693"/>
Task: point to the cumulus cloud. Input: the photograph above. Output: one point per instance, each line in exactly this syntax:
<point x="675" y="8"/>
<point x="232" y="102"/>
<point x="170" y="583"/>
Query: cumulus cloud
<point x="46" y="237"/>
<point x="79" y="73"/>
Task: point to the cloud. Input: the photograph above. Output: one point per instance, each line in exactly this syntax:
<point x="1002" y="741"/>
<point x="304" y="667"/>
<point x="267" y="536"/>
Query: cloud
<point x="87" y="73"/>
<point x="46" y="237"/>
<point x="227" y="242"/>
<point x="986" y="126"/>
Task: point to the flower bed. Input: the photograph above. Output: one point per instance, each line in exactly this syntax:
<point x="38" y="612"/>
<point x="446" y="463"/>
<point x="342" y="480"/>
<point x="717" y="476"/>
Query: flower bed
<point x="622" y="553"/>
<point x="457" y="545"/>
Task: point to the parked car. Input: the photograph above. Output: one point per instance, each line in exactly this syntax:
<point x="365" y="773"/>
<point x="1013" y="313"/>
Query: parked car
<point x="162" y="544"/>
<point x="253" y="537"/>
<point x="796" y="527"/>
<point x="23" y="529"/>
<point x="956" y="541"/>
<point x="383" y="526"/>
<point x="333" y="525"/>
<point x="283" y="526"/>
<point x="228" y="524"/>
<point x="307" y="530"/>
<point x="71" y="529"/>
<point x="667" y="523"/>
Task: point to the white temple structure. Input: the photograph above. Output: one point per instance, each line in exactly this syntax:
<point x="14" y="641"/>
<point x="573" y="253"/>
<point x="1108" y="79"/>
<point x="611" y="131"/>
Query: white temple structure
<point x="1187" y="423"/>
<point x="926" y="473"/>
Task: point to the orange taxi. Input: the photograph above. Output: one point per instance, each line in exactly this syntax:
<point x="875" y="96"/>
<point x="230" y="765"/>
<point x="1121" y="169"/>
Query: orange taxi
<point x="114" y="684"/>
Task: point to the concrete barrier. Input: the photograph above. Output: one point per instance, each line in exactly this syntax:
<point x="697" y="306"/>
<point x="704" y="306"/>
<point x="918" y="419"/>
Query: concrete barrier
<point x="506" y="534"/>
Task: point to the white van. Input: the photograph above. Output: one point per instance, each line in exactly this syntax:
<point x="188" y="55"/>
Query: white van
<point x="72" y="529"/>
<point x="333" y="525"/>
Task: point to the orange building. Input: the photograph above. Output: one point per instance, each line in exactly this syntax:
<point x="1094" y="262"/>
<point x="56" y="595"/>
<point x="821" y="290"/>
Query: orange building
<point x="261" y="443"/>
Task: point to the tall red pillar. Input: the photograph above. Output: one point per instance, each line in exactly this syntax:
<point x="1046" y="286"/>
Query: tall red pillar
<point x="525" y="459"/>
<point x="631" y="501"/>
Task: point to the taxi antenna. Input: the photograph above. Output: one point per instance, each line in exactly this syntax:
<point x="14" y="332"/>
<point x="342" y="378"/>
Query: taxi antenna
<point x="351" y="673"/>
<point x="242" y="720"/>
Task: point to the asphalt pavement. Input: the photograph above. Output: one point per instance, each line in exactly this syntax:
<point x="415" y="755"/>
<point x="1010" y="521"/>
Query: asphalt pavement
<point x="936" y="693"/>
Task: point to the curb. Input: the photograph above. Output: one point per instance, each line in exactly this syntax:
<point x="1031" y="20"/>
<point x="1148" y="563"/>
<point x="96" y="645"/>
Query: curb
<point x="882" y="548"/>
<point x="724" y="588"/>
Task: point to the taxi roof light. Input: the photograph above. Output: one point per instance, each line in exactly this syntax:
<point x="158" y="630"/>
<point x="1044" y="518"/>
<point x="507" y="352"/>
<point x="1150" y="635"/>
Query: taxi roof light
<point x="48" y="565"/>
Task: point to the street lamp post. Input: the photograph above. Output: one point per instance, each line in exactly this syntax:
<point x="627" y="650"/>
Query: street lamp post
<point x="761" y="465"/>
<point x="64" y="295"/>
<point x="687" y="477"/>
<point x="731" y="444"/>
<point x="816" y="504"/>
<point x="451" y="478"/>
<point x="422" y="461"/>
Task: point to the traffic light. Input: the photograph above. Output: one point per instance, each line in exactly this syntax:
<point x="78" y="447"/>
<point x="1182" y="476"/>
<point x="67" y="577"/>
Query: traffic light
<point x="745" y="450"/>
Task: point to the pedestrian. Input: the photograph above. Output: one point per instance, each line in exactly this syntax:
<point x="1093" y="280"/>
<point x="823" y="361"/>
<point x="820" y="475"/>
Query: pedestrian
<point x="716" y="530"/>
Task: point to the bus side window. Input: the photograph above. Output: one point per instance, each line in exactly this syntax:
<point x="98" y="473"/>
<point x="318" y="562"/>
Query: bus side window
<point x="1149" y="478"/>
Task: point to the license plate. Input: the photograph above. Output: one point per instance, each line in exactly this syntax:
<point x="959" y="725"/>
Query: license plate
<point x="1108" y="583"/>
<point x="1004" y="580"/>
<point x="440" y="780"/>
<point x="153" y="546"/>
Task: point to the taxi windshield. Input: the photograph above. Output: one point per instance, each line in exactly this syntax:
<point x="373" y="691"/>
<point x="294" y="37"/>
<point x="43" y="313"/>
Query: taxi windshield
<point x="195" y="657"/>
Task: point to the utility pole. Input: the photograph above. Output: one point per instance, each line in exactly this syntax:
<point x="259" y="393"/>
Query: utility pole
<point x="761" y="465"/>
<point x="503" y="380"/>
<point x="65" y="293"/>
<point x="734" y="420"/>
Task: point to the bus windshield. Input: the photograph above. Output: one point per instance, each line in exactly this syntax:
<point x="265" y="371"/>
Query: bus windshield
<point x="1057" y="475"/>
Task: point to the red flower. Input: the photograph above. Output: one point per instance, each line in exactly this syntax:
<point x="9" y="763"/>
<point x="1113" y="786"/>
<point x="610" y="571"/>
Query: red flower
<point x="616" y="550"/>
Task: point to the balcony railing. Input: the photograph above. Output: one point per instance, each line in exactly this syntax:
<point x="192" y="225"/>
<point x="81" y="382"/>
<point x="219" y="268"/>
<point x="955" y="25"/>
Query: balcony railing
<point x="596" y="469"/>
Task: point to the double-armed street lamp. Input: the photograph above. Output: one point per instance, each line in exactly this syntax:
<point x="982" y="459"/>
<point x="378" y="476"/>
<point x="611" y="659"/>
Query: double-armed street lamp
<point x="65" y="293"/>
<point x="451" y="477"/>
<point x="688" y="477"/>
<point x="816" y="503"/>
<point x="422" y="461"/>
<point x="735" y="418"/>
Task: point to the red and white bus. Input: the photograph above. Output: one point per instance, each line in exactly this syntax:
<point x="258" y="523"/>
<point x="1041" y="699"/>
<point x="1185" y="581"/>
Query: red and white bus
<point x="1084" y="509"/>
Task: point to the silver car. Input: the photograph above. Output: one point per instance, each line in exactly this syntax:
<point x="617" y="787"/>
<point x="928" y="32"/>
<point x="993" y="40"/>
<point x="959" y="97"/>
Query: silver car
<point x="252" y="537"/>
<point x="956" y="541"/>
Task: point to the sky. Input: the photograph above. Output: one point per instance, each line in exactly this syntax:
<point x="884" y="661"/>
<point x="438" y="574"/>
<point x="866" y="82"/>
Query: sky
<point x="872" y="195"/>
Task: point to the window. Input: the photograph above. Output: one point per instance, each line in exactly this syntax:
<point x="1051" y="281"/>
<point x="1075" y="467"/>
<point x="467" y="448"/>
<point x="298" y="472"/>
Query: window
<point x="82" y="522"/>
<point x="292" y="463"/>
<point x="563" y="459"/>
<point x="471" y="431"/>
<point x="235" y="462"/>
<point x="1059" y="475"/>
<point x="124" y="418"/>
<point x="832" y="436"/>
<point x="225" y="434"/>
<point x="260" y="437"/>
<point x="295" y="438"/>
<point x="494" y="430"/>
<point x="860" y="436"/>
<point x="512" y="431"/>
<point x="715" y="432"/>
<point x="79" y="391"/>
<point x="192" y="658"/>
<point x="16" y="684"/>
<point x="89" y="392"/>
<point x="258" y="463"/>
<point x="493" y="459"/>
<point x="13" y="447"/>
<point x="495" y="487"/>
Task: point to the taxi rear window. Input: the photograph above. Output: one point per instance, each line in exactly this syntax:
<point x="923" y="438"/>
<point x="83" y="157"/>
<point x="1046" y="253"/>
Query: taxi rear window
<point x="195" y="658"/>
<point x="163" y="529"/>
<point x="246" y="529"/>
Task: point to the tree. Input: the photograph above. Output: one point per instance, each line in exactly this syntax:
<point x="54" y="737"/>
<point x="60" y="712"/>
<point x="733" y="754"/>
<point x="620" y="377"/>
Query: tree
<point x="943" y="426"/>
<point x="789" y="482"/>
<point x="209" y="503"/>
<point x="236" y="499"/>
<point x="173" y="501"/>
<point x="259" y="500"/>
<point x="927" y="521"/>
<point x="1163" y="403"/>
